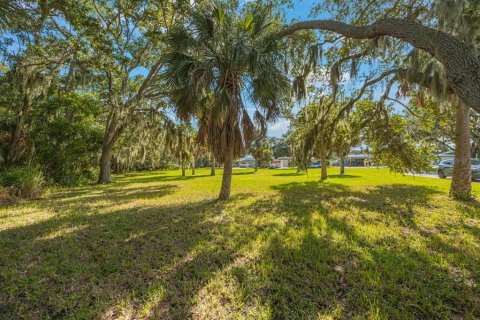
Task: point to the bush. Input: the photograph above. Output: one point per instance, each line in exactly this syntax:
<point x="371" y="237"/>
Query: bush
<point x="5" y="196"/>
<point x="80" y="177"/>
<point x="23" y="182"/>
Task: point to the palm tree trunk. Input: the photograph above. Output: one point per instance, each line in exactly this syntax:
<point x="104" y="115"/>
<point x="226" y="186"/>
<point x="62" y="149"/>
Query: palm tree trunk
<point x="461" y="187"/>
<point x="183" y="170"/>
<point x="323" y="160"/>
<point x="227" y="178"/>
<point x="193" y="167"/>
<point x="212" y="171"/>
<point x="342" y="165"/>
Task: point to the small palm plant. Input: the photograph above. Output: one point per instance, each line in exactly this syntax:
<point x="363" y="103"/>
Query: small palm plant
<point x="216" y="59"/>
<point x="313" y="132"/>
<point x="260" y="150"/>
<point x="182" y="145"/>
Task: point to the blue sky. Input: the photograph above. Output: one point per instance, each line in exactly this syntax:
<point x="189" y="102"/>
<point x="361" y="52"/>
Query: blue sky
<point x="301" y="9"/>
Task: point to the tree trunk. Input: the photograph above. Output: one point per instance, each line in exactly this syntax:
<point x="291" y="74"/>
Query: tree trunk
<point x="461" y="187"/>
<point x="461" y="63"/>
<point x="227" y="178"/>
<point x="193" y="167"/>
<point x="13" y="149"/>
<point x="475" y="150"/>
<point x="183" y="170"/>
<point x="115" y="165"/>
<point x="112" y="133"/>
<point x="323" y="162"/>
<point x="342" y="165"/>
<point x="105" y="164"/>
<point x="212" y="171"/>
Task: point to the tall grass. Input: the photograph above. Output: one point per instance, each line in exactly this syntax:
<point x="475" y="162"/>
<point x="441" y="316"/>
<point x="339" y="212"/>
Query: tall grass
<point x="22" y="182"/>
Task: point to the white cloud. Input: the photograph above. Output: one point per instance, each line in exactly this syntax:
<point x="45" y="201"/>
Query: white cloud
<point x="278" y="128"/>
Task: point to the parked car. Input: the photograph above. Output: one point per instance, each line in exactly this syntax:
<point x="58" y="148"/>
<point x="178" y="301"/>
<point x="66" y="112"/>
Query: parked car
<point x="244" y="165"/>
<point x="315" y="165"/>
<point x="445" y="168"/>
<point x="272" y="166"/>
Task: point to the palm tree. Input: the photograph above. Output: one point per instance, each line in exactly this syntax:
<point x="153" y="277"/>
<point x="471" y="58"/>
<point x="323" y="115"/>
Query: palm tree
<point x="319" y="129"/>
<point x="182" y="144"/>
<point x="261" y="150"/>
<point x="212" y="160"/>
<point x="346" y="136"/>
<point x="313" y="131"/>
<point x="215" y="59"/>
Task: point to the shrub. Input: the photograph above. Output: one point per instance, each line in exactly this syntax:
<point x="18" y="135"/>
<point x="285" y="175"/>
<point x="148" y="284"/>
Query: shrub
<point x="80" y="177"/>
<point x="5" y="196"/>
<point x="23" y="182"/>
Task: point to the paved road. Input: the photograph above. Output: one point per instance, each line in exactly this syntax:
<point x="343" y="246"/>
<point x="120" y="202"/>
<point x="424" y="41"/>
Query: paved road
<point x="432" y="175"/>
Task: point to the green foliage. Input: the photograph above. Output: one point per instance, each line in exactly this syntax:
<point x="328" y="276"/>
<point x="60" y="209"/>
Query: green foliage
<point x="145" y="143"/>
<point x="23" y="182"/>
<point x="261" y="150"/>
<point x="280" y="146"/>
<point x="182" y="142"/>
<point x="323" y="128"/>
<point x="67" y="135"/>
<point x="346" y="135"/>
<point x="313" y="130"/>
<point x="432" y="121"/>
<point x="392" y="145"/>
<point x="68" y="83"/>
<point x="10" y="11"/>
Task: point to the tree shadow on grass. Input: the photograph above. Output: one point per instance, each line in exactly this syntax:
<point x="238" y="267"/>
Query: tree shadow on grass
<point x="349" y="254"/>
<point x="241" y="173"/>
<point x="291" y="174"/>
<point x="104" y="197"/>
<point x="88" y="263"/>
<point x="342" y="176"/>
<point x="115" y="193"/>
<point x="326" y="250"/>
<point x="157" y="178"/>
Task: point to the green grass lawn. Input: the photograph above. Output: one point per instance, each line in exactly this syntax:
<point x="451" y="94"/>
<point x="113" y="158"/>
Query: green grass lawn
<point x="367" y="245"/>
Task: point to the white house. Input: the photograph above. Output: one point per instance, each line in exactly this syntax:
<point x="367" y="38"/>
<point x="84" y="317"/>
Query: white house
<point x="247" y="161"/>
<point x="357" y="160"/>
<point x="281" y="162"/>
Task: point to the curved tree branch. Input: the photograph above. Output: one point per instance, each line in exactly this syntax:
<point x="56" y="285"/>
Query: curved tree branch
<point x="462" y="66"/>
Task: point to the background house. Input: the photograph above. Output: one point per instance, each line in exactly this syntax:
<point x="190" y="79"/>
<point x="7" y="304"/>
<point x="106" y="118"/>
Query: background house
<point x="281" y="162"/>
<point x="247" y="161"/>
<point x="357" y="160"/>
